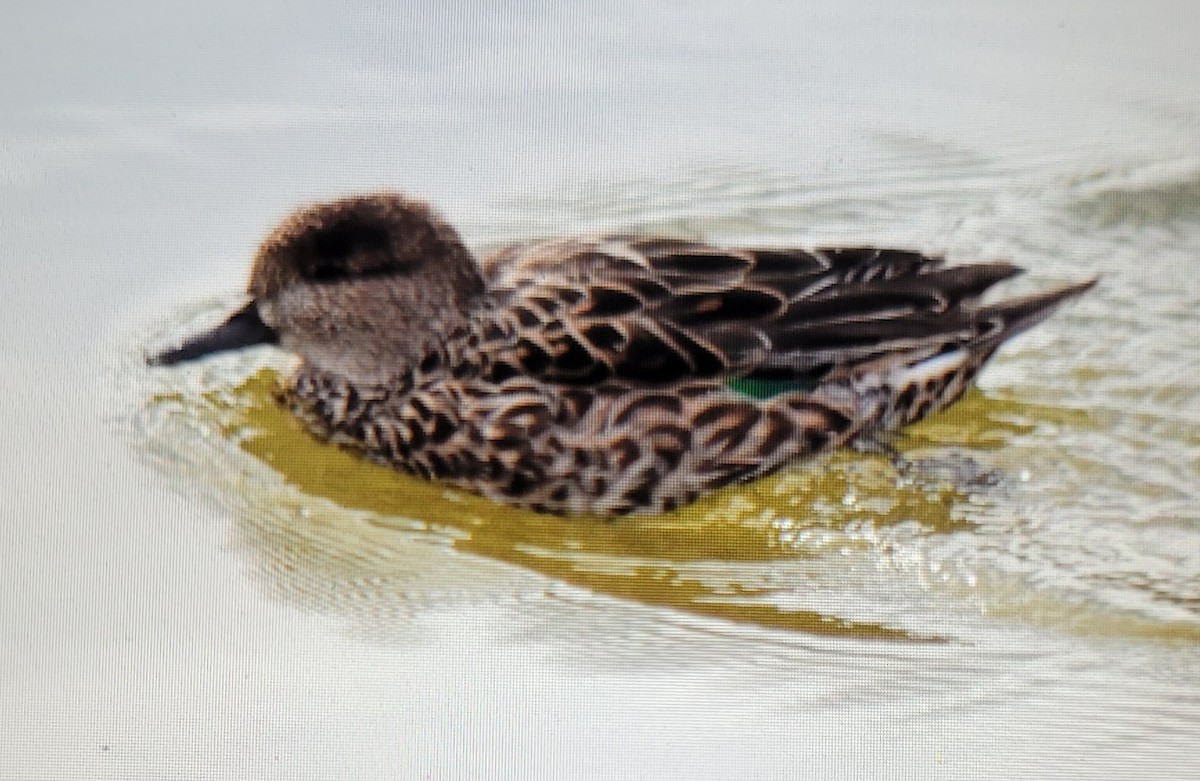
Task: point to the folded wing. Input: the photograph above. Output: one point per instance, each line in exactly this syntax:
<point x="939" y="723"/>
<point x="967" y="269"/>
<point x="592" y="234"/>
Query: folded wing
<point x="658" y="311"/>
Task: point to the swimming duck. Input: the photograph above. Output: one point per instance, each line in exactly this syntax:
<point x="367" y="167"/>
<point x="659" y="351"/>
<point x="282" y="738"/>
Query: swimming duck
<point x="608" y="374"/>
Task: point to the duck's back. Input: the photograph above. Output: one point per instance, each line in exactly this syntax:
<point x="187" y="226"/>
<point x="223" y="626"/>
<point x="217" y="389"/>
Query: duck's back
<point x="660" y="311"/>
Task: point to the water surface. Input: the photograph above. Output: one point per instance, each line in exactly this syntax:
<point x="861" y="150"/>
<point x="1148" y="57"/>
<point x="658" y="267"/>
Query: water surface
<point x="195" y="586"/>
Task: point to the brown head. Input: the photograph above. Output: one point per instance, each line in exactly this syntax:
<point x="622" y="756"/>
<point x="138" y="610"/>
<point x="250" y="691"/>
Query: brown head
<point x="362" y="287"/>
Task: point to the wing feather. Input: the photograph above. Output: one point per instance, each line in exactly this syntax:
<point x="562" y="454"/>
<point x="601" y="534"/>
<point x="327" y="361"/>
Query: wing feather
<point x="656" y="311"/>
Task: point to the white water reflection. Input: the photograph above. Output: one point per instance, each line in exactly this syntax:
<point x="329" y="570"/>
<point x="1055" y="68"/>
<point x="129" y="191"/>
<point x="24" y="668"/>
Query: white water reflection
<point x="173" y="606"/>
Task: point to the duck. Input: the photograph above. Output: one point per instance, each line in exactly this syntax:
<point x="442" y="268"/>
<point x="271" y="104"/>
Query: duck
<point x="604" y="375"/>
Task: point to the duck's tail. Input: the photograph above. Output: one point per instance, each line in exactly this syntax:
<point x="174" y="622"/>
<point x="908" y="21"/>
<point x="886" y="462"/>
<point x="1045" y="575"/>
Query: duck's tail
<point x="1020" y="314"/>
<point x="914" y="390"/>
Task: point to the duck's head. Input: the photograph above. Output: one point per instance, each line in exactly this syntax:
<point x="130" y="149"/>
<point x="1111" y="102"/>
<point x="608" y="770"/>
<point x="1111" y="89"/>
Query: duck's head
<point x="361" y="287"/>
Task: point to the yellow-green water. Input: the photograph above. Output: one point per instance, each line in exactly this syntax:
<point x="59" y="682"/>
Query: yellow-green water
<point x="731" y="555"/>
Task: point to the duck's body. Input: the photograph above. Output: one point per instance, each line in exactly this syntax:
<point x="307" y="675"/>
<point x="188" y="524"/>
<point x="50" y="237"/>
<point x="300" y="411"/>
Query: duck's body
<point x="612" y="374"/>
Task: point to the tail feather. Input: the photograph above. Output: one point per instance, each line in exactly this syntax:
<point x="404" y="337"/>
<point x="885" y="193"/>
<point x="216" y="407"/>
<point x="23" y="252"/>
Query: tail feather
<point x="1020" y="314"/>
<point x="932" y="382"/>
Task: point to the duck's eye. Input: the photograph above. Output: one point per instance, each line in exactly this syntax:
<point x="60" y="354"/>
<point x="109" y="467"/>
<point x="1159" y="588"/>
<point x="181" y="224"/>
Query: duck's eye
<point x="348" y="248"/>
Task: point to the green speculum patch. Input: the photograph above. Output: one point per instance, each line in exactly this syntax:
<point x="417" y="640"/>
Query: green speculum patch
<point x="760" y="389"/>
